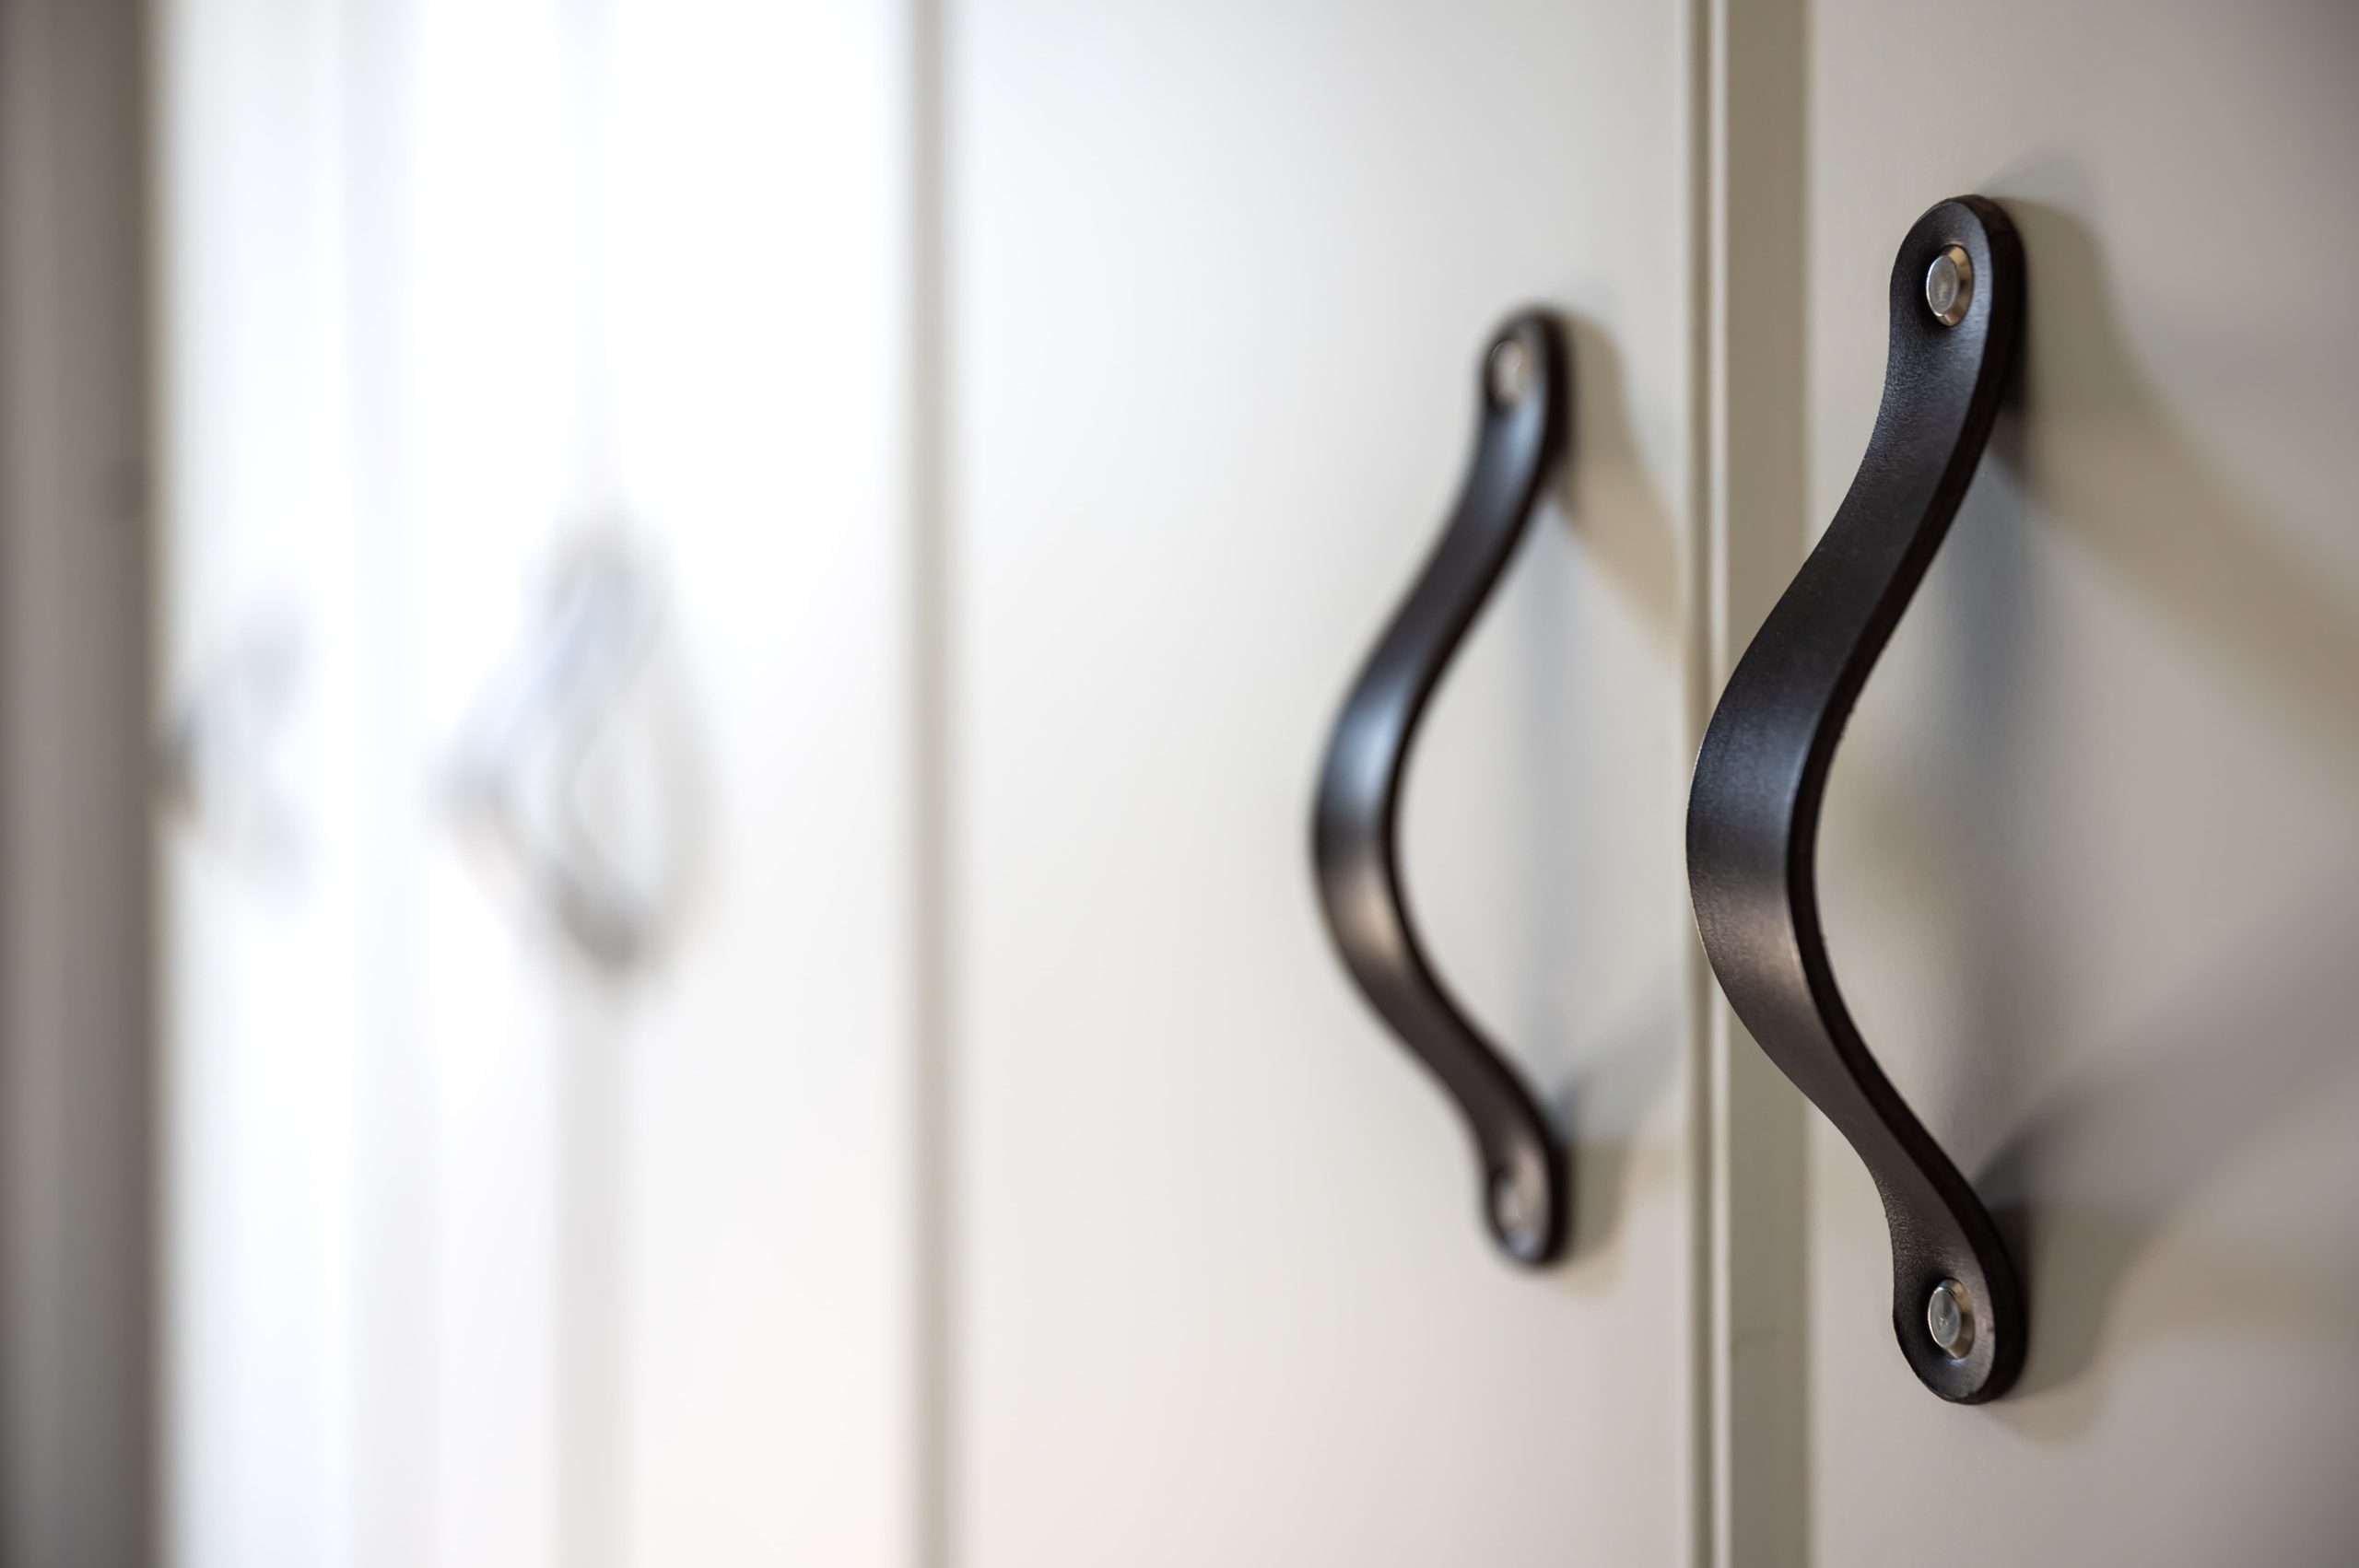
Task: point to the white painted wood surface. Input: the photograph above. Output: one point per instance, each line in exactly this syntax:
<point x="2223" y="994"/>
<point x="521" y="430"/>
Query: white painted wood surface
<point x="478" y="1256"/>
<point x="1219" y="277"/>
<point x="2089" y="849"/>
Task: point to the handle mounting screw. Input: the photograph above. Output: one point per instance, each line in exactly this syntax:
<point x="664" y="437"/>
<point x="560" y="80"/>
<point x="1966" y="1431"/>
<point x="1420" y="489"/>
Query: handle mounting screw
<point x="1948" y="1316"/>
<point x="1949" y="284"/>
<point x="1510" y="372"/>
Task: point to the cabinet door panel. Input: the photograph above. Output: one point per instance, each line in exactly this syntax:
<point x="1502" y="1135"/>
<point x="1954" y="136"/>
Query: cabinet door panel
<point x="2089" y="849"/>
<point x="1219" y="275"/>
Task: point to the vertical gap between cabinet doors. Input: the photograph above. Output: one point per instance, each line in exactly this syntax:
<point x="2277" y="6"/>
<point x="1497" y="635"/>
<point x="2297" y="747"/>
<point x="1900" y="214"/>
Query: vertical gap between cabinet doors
<point x="1752" y="352"/>
<point x="1700" y="27"/>
<point x="931" y="1476"/>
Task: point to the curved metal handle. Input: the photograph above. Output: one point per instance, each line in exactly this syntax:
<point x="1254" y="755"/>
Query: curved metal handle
<point x="1354" y="836"/>
<point x="524" y="748"/>
<point x="1957" y="302"/>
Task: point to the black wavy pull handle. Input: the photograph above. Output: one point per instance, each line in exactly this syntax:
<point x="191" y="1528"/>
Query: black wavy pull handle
<point x="1957" y="301"/>
<point x="1356" y="838"/>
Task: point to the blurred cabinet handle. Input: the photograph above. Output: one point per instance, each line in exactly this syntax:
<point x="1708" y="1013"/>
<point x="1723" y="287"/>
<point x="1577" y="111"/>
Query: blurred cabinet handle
<point x="1958" y="304"/>
<point x="523" y="750"/>
<point x="221" y="754"/>
<point x="1522" y="399"/>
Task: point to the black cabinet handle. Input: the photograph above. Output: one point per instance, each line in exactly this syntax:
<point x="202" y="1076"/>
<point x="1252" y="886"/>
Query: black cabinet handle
<point x="1958" y="304"/>
<point x="1522" y="398"/>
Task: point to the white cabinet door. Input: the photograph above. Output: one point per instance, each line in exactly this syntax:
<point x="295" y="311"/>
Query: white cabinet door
<point x="261" y="885"/>
<point x="484" y="1248"/>
<point x="2090" y="855"/>
<point x="1219" y="279"/>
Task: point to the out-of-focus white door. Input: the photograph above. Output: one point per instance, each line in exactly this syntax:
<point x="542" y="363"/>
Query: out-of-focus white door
<point x="534" y="520"/>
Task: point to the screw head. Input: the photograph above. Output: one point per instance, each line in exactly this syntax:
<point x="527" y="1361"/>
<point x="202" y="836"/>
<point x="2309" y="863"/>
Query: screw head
<point x="1511" y="371"/>
<point x="1949" y="1318"/>
<point x="1519" y="1207"/>
<point x="1949" y="285"/>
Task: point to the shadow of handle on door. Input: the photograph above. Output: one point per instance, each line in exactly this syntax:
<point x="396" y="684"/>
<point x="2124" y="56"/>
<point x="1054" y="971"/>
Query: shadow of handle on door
<point x="1958" y="304"/>
<point x="1523" y="394"/>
